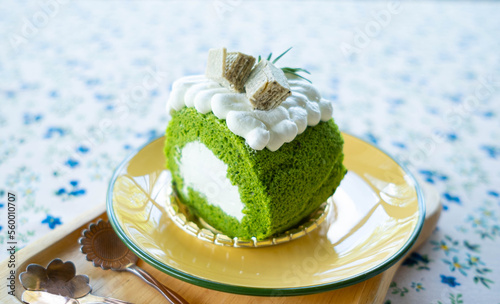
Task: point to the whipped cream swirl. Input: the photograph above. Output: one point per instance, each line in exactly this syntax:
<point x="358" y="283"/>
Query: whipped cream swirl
<point x="261" y="129"/>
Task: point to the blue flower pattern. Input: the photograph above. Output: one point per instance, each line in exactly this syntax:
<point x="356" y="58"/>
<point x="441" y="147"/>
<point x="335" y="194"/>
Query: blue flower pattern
<point x="73" y="190"/>
<point x="450" y="281"/>
<point x="52" y="221"/>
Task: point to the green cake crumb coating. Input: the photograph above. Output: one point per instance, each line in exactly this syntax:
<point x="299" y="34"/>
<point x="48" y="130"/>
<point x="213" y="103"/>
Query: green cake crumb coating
<point x="277" y="188"/>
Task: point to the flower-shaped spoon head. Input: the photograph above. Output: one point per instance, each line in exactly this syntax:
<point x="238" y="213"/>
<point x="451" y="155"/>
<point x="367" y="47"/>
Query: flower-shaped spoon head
<point x="58" y="278"/>
<point x="104" y="249"/>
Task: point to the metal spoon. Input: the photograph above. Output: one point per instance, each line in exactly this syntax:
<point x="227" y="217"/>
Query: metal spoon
<point x="104" y="249"/>
<point x="58" y="283"/>
<point x="43" y="297"/>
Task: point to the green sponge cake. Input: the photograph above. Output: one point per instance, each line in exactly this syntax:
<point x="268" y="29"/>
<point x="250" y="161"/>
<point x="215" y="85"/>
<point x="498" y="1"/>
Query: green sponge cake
<point x="248" y="172"/>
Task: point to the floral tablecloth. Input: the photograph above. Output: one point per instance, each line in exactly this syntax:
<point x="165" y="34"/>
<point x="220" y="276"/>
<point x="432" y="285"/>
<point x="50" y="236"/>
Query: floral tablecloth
<point x="82" y="84"/>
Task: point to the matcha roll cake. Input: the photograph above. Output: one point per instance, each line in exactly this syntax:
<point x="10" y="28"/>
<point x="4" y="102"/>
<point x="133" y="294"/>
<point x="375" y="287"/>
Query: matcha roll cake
<point x="252" y="150"/>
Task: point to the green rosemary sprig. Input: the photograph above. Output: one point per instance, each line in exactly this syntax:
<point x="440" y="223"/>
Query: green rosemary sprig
<point x="293" y="71"/>
<point x="278" y="58"/>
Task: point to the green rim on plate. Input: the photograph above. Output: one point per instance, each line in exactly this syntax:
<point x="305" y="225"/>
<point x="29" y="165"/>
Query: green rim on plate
<point x="262" y="291"/>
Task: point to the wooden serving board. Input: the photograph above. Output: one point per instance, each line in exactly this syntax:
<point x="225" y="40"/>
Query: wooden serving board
<point x="63" y="243"/>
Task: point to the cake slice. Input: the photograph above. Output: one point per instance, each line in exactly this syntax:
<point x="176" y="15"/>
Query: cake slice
<point x="251" y="164"/>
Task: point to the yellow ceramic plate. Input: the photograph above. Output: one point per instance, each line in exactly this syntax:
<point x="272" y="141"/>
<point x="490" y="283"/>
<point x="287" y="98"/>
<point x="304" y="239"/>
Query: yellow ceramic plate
<point x="376" y="216"/>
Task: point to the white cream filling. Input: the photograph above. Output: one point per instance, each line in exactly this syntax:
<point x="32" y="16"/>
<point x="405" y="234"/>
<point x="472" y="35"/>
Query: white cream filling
<point x="261" y="129"/>
<point x="203" y="172"/>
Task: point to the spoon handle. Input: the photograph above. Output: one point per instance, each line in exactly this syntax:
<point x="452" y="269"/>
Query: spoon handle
<point x="168" y="293"/>
<point x="93" y="299"/>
